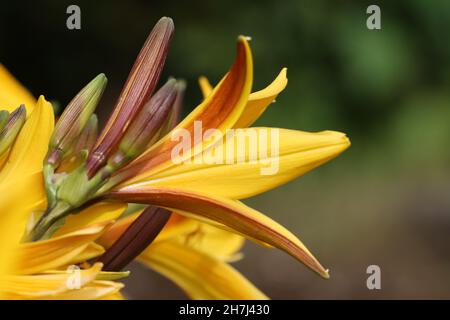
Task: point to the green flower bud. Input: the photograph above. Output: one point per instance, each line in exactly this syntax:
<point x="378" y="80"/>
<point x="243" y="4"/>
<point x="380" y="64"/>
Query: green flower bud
<point x="12" y="128"/>
<point x="74" y="118"/>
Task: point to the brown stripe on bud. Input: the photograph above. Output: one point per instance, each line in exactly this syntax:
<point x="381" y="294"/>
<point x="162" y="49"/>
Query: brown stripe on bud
<point x="88" y="136"/>
<point x="172" y="120"/>
<point x="83" y="145"/>
<point x="138" y="236"/>
<point x="138" y="88"/>
<point x="175" y="114"/>
<point x="74" y="118"/>
<point x="4" y="115"/>
<point x="146" y="125"/>
<point x="12" y="128"/>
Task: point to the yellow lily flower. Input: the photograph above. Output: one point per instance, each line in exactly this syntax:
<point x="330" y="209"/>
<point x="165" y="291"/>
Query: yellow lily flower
<point x="67" y="191"/>
<point x="26" y="268"/>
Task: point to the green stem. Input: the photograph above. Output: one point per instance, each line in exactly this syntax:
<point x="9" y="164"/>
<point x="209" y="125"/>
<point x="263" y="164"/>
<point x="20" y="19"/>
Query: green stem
<point x="44" y="223"/>
<point x="48" y="171"/>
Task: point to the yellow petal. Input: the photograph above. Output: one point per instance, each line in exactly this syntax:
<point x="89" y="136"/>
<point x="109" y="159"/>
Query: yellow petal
<point x="31" y="145"/>
<point x="35" y="257"/>
<point x="102" y="275"/>
<point x="92" y="250"/>
<point x="116" y="230"/>
<point x="12" y="93"/>
<point x="27" y="190"/>
<point x="114" y="296"/>
<point x="230" y="213"/>
<point x="219" y="243"/>
<point x="95" y="290"/>
<point x="8" y="244"/>
<point x="173" y="227"/>
<point x="23" y="196"/>
<point x="98" y="213"/>
<point x="297" y="153"/>
<point x="3" y="159"/>
<point x="260" y="100"/>
<point x="219" y="111"/>
<point x="47" y="285"/>
<point x="205" y="87"/>
<point x="216" y="242"/>
<point x="200" y="275"/>
<point x="257" y="101"/>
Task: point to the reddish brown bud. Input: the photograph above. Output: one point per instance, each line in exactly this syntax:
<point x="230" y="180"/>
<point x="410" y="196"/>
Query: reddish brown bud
<point x="146" y="125"/>
<point x="139" y="235"/>
<point x="138" y="88"/>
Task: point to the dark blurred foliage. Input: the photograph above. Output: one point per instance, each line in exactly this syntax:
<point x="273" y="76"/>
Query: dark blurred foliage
<point x="385" y="201"/>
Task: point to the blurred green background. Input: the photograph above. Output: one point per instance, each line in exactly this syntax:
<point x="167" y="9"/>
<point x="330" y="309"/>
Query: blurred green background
<point x="385" y="201"/>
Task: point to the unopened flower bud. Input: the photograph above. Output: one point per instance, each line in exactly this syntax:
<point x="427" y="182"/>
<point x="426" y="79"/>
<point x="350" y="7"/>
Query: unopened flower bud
<point x="12" y="128"/>
<point x="175" y="112"/>
<point x="74" y="119"/>
<point x="138" y="88"/>
<point x="88" y="136"/>
<point x="146" y="125"/>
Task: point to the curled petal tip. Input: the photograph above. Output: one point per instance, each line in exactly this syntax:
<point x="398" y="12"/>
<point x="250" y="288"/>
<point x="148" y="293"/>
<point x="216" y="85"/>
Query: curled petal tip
<point x="336" y="138"/>
<point x="320" y="270"/>
<point x="343" y="139"/>
<point x="243" y="39"/>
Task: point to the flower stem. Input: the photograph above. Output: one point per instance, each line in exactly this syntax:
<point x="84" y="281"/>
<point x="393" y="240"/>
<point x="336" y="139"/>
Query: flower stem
<point x="47" y="220"/>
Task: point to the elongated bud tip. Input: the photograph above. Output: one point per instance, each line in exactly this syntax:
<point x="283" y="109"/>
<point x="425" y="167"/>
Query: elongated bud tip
<point x="93" y="90"/>
<point x="99" y="81"/>
<point x="21" y="110"/>
<point x="181" y="86"/>
<point x="166" y="22"/>
<point x="18" y="116"/>
<point x="170" y="84"/>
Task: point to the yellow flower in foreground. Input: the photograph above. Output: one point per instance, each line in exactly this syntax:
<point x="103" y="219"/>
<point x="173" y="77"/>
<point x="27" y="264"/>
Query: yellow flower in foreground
<point x="67" y="190"/>
<point x="28" y="270"/>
